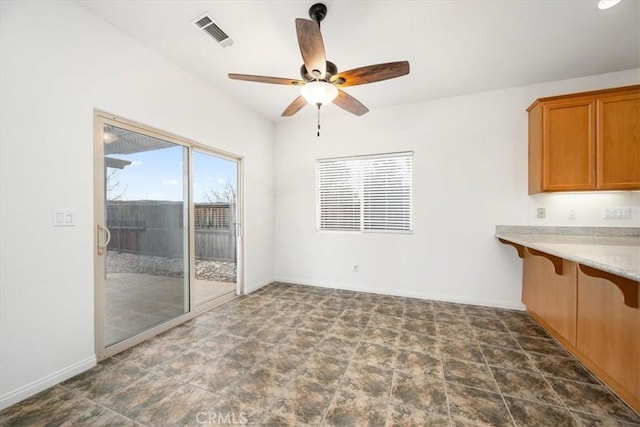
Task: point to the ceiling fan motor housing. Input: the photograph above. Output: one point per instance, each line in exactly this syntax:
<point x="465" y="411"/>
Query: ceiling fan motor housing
<point x="331" y="71"/>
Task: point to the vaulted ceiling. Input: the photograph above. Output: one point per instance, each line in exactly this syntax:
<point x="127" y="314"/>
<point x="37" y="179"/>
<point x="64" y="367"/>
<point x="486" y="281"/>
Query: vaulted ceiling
<point x="454" y="47"/>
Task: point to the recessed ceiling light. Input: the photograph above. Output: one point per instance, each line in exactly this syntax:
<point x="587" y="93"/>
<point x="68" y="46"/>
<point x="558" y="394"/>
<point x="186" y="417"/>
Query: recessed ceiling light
<point x="606" y="4"/>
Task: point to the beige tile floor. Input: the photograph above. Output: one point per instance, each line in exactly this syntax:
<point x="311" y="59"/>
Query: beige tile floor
<point x="295" y="355"/>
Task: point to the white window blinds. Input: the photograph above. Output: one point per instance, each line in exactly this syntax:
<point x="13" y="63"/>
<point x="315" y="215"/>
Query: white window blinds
<point x="369" y="193"/>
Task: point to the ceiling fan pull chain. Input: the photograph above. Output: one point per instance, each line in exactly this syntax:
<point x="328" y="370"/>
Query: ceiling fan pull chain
<point x="318" y="104"/>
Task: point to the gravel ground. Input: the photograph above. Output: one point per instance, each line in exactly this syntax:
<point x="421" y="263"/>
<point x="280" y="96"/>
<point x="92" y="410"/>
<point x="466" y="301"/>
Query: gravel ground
<point x="134" y="263"/>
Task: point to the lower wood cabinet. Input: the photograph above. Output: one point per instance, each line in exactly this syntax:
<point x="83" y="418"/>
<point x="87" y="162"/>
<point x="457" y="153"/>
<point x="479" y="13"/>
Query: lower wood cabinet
<point x="608" y="336"/>
<point x="595" y="318"/>
<point x="549" y="290"/>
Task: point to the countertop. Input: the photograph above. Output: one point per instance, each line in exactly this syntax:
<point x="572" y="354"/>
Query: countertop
<point x="615" y="251"/>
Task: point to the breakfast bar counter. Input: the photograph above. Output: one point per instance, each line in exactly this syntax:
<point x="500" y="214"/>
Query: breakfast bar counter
<point x="613" y="250"/>
<point x="582" y="284"/>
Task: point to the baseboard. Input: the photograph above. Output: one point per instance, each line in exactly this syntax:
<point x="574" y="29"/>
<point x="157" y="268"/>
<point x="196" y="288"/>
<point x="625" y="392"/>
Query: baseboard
<point x="485" y="302"/>
<point x="50" y="380"/>
<point x="259" y="285"/>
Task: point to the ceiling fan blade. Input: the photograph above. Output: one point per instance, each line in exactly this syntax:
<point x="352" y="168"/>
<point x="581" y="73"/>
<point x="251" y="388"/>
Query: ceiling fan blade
<point x="371" y="73"/>
<point x="294" y="107"/>
<point x="350" y="104"/>
<point x="311" y="47"/>
<point x="266" y="79"/>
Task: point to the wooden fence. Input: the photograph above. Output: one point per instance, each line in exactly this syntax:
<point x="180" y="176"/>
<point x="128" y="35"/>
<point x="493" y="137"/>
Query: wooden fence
<point x="157" y="228"/>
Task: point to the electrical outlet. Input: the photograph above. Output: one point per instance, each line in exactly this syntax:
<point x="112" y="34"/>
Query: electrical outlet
<point x="572" y="213"/>
<point x="542" y="213"/>
<point x="616" y="213"/>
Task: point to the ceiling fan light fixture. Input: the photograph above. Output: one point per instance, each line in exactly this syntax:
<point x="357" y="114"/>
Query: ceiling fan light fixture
<point x="109" y="137"/>
<point x="607" y="4"/>
<point x="318" y="92"/>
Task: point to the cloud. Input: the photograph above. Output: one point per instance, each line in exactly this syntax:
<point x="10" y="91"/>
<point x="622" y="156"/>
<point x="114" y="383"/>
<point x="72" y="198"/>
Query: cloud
<point x="136" y="163"/>
<point x="172" y="182"/>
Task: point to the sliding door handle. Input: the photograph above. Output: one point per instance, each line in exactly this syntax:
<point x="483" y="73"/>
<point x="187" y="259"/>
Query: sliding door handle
<point x="103" y="231"/>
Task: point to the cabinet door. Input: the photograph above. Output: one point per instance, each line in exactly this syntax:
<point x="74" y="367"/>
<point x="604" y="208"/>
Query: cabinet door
<point x="609" y="335"/>
<point x="549" y="296"/>
<point x="618" y="153"/>
<point x="569" y="150"/>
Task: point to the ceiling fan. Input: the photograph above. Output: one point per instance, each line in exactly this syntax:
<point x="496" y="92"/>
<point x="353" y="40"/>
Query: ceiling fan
<point x="321" y="82"/>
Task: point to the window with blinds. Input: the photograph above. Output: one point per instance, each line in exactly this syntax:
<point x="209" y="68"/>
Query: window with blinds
<point x="367" y="193"/>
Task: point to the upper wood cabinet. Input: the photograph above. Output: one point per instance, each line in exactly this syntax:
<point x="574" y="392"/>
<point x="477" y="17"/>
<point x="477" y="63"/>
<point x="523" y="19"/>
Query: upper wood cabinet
<point x="585" y="141"/>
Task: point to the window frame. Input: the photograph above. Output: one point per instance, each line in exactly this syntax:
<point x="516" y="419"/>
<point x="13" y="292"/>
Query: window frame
<point x="361" y="197"/>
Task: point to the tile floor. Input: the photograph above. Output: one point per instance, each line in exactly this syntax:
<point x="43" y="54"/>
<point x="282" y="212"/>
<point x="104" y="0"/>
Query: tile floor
<point x="305" y="356"/>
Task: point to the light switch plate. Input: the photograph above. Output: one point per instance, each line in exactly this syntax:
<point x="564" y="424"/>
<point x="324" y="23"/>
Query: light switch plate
<point x="63" y="218"/>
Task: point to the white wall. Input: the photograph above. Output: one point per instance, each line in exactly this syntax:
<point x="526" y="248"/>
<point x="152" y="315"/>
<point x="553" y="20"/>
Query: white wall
<point x="470" y="175"/>
<point x="58" y="63"/>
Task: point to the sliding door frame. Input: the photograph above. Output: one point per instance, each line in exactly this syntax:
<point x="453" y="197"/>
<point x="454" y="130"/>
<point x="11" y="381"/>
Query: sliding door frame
<point x="100" y="119"/>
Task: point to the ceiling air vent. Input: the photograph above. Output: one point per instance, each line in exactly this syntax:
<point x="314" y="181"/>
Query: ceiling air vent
<point x="206" y="24"/>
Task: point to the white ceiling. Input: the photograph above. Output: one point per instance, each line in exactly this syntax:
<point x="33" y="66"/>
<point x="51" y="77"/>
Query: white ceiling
<point x="454" y="47"/>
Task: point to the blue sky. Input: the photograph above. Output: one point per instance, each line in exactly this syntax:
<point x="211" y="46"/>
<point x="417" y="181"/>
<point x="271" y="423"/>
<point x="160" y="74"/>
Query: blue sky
<point x="158" y="174"/>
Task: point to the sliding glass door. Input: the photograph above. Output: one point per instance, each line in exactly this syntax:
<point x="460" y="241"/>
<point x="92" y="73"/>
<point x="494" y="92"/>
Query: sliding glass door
<point x="215" y="195"/>
<point x="166" y="222"/>
<point x="146" y="204"/>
